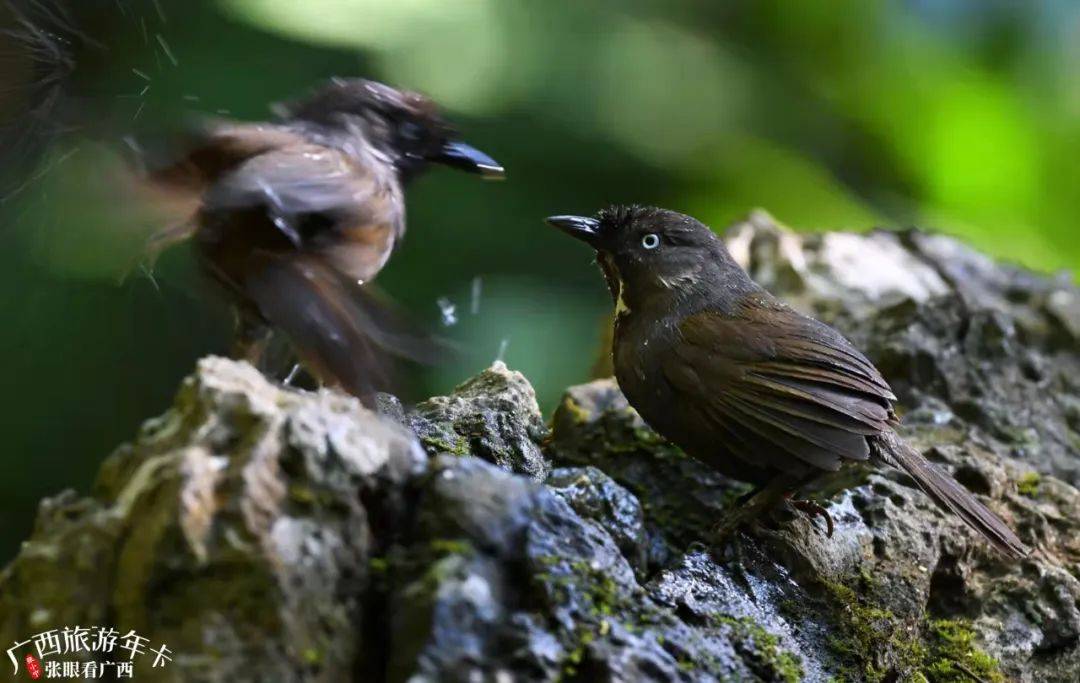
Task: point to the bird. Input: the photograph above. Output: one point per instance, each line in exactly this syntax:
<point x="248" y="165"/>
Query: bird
<point x="295" y="217"/>
<point x="743" y="382"/>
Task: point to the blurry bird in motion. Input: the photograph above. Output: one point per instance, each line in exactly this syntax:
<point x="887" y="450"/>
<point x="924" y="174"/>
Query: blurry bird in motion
<point x="741" y="381"/>
<point x="293" y="219"/>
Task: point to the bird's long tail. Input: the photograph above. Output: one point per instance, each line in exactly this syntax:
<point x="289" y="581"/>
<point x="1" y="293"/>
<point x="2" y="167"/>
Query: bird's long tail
<point x="949" y="494"/>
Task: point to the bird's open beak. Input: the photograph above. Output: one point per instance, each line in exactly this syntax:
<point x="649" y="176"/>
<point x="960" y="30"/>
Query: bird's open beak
<point x="461" y="156"/>
<point x="585" y="229"/>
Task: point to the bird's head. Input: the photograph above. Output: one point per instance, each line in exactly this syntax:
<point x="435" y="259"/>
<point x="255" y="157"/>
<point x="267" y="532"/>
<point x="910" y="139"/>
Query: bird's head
<point x="650" y="254"/>
<point x="405" y="125"/>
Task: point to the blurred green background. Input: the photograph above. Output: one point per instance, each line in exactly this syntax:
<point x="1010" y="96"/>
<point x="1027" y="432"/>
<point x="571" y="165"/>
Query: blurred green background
<point x="955" y="115"/>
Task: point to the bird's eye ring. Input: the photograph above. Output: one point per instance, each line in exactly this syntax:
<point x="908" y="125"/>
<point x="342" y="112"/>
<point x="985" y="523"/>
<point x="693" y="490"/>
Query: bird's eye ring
<point x="650" y="241"/>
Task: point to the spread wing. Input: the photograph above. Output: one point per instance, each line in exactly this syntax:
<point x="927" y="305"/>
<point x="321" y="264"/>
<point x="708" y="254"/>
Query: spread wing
<point x="171" y="173"/>
<point x="204" y="152"/>
<point x="322" y="201"/>
<point x="789" y="390"/>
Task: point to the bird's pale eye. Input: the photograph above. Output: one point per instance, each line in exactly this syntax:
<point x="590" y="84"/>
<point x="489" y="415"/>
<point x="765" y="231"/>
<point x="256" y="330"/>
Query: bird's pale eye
<point x="650" y="241"/>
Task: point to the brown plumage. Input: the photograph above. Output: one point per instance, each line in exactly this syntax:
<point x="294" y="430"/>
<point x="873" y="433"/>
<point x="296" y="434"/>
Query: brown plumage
<point x="740" y="380"/>
<point x="294" y="218"/>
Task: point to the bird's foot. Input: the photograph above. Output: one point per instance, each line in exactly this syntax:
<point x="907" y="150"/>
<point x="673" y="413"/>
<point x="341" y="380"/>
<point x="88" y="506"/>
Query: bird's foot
<point x="746" y="513"/>
<point x="724" y="536"/>
<point x="813" y="511"/>
<point x="727" y="528"/>
<point x="724" y="540"/>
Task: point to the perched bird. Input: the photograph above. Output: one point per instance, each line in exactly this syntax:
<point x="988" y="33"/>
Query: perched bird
<point x="293" y="218"/>
<point x="738" y="379"/>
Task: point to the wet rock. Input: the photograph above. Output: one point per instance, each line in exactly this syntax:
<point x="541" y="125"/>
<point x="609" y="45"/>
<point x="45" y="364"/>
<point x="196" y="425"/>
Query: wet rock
<point x="595" y="496"/>
<point x="747" y="613"/>
<point x="593" y="425"/>
<point x="493" y="416"/>
<point x="472" y="499"/>
<point x="617" y="629"/>
<point x="271" y="534"/>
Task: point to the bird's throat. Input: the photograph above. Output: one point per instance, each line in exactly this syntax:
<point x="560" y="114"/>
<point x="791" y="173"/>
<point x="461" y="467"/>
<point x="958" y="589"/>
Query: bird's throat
<point x="621" y="308"/>
<point x="614" y="283"/>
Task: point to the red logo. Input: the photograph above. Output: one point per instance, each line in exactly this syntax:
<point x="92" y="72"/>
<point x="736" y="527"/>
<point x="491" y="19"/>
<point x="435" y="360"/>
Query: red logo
<point x="33" y="667"/>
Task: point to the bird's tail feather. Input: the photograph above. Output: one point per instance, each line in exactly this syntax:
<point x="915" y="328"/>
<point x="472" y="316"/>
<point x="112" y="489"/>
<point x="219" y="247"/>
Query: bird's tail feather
<point x="950" y="495"/>
<point x="341" y="332"/>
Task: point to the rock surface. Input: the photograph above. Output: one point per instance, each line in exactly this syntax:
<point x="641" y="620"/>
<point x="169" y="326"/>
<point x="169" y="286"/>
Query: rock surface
<point x="271" y="534"/>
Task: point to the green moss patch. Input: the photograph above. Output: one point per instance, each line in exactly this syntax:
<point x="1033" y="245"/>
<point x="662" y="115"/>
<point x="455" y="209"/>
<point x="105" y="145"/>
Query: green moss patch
<point x="953" y="657"/>
<point x="875" y="645"/>
<point x="1028" y="485"/>
<point x="761" y="650"/>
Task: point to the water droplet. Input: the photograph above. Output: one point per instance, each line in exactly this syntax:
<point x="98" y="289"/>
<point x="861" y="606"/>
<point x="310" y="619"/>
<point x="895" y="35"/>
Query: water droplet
<point x="292" y="375"/>
<point x="474" y="299"/>
<point x="165" y="48"/>
<point x="448" y="311"/>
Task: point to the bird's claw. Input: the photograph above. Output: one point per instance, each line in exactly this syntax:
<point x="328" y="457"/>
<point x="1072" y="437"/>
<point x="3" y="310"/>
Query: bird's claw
<point x="813" y="511"/>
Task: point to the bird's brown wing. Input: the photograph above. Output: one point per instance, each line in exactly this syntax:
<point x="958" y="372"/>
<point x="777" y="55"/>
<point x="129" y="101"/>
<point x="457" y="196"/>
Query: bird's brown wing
<point x="172" y="173"/>
<point x="779" y="388"/>
<point x="206" y="151"/>
<point x="322" y="201"/>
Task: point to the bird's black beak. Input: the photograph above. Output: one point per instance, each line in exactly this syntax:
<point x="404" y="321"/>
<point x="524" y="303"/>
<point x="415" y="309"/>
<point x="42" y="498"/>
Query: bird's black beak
<point x="461" y="156"/>
<point x="585" y="229"/>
